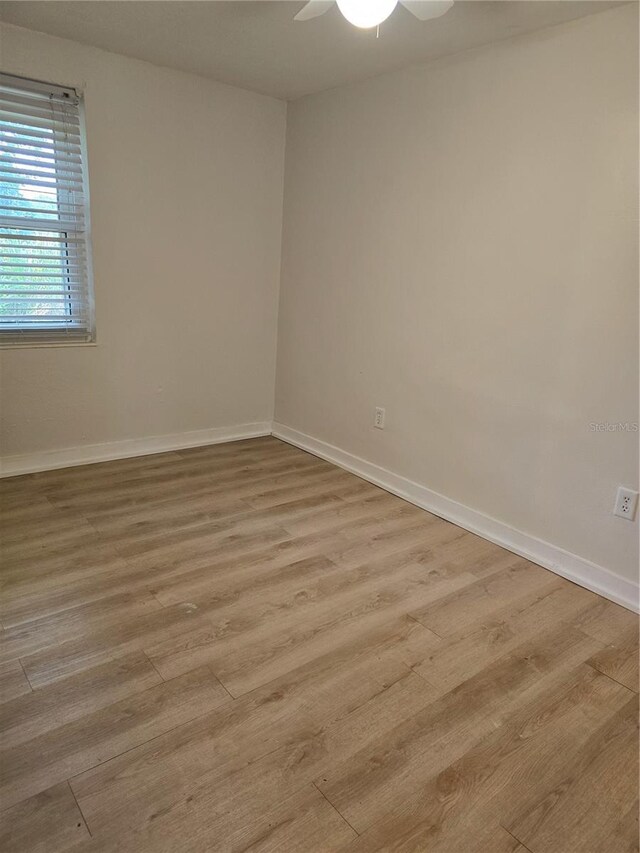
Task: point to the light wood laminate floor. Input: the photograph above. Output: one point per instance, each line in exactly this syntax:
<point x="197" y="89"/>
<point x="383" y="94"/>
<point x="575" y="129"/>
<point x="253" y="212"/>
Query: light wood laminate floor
<point x="242" y="647"/>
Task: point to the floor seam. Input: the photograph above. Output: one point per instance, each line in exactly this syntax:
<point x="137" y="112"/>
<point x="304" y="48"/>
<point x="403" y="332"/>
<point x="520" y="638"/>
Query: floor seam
<point x="144" y="743"/>
<point x="322" y="794"/>
<point x="155" y="597"/>
<point x="426" y="627"/>
<point x="221" y="683"/>
<point x="516" y="838"/>
<point x="421" y="676"/>
<point x="153" y="665"/>
<point x="24" y="672"/>
<point x="73" y="794"/>
<point x="611" y="678"/>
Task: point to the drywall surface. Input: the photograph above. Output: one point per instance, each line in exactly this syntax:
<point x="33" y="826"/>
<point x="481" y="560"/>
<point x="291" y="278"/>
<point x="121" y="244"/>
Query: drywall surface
<point x="186" y="183"/>
<point x="460" y="247"/>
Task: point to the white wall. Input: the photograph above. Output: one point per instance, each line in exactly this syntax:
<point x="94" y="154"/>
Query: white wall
<point x="186" y="201"/>
<point x="460" y="247"/>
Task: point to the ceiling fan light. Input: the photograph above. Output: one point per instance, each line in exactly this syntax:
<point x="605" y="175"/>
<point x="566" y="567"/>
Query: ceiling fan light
<point x="366" y="13"/>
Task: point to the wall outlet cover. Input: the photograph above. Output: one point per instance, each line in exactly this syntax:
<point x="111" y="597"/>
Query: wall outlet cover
<point x="626" y="503"/>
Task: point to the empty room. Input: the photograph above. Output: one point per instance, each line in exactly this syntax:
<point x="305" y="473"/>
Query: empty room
<point x="319" y="365"/>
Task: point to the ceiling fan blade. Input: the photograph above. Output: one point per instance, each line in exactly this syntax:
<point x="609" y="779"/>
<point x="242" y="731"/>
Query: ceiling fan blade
<point x="313" y="9"/>
<point x="425" y="10"/>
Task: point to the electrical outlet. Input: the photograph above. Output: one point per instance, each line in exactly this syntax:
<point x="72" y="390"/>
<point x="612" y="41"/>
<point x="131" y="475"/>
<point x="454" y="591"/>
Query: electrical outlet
<point x="626" y="503"/>
<point x="378" y="420"/>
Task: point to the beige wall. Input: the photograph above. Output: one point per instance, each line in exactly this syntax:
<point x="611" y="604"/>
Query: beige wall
<point x="460" y="247"/>
<point x="186" y="201"/>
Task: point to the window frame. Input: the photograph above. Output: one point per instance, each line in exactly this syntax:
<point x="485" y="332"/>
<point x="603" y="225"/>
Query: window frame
<point x="52" y="335"/>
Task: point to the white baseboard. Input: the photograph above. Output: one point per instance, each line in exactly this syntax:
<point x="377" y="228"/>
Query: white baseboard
<point x="12" y="466"/>
<point x="582" y="572"/>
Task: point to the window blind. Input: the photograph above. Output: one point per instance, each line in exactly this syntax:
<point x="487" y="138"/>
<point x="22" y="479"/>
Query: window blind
<point x="45" y="293"/>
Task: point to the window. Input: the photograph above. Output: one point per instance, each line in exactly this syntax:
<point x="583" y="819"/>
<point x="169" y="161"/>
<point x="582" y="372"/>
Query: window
<point x="45" y="274"/>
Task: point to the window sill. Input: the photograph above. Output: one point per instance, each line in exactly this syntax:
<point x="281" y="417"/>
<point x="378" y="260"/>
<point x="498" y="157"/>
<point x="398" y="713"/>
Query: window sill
<point x="7" y="345"/>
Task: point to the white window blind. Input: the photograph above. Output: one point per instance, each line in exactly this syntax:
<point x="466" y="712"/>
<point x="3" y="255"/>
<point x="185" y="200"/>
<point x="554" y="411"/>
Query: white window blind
<point x="45" y="276"/>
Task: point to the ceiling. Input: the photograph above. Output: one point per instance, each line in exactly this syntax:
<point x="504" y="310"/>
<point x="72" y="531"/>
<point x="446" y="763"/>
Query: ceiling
<point x="258" y="46"/>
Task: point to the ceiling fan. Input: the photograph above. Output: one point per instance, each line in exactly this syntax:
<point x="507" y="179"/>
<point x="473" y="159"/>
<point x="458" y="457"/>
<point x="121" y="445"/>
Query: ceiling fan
<point x="371" y="13"/>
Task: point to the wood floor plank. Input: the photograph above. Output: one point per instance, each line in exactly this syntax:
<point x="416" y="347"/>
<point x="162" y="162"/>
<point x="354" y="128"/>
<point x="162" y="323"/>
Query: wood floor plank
<point x="18" y="522"/>
<point x="196" y="554"/>
<point x="221" y="574"/>
<point x="182" y="582"/>
<point x="394" y="767"/>
<point x="62" y="752"/>
<point x="505" y="770"/>
<point x="303" y="701"/>
<point x="607" y="622"/>
<point x="270" y="493"/>
<point x="281" y="772"/>
<point x="208" y="494"/>
<point x="93" y="473"/>
<point x="233" y="792"/>
<point x="393" y="674"/>
<point x="146" y="523"/>
<point x="120" y="477"/>
<point x="61" y="535"/>
<point x="192" y="548"/>
<point x="312" y="585"/>
<point x="33" y="598"/>
<point x="34" y="714"/>
<point x="28" y="600"/>
<point x="342" y="512"/>
<point x="620" y="660"/>
<point x="96" y="647"/>
<point x="33" y="636"/>
<point x="485" y="837"/>
<point x="48" y="567"/>
<point x="13" y="681"/>
<point x="589" y="805"/>
<point x="45" y="823"/>
<point x="475" y="603"/>
<point x="471" y="649"/>
<point x="245" y="590"/>
<point x="303" y="822"/>
<point x="139" y="490"/>
<point x="478" y="556"/>
<point x="259" y="652"/>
